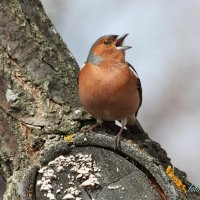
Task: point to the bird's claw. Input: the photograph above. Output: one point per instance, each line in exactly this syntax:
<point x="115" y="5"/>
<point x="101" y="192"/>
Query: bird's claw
<point x="94" y="126"/>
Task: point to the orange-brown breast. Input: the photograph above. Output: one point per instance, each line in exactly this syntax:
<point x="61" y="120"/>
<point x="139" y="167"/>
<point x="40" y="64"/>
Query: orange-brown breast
<point x="109" y="92"/>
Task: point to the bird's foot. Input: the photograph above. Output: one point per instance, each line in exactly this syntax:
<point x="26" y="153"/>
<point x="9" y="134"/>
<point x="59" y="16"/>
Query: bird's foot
<point x="94" y="126"/>
<point x="99" y="122"/>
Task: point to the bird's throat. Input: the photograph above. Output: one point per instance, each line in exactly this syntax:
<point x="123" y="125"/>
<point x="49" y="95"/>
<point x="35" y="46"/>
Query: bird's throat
<point x="94" y="59"/>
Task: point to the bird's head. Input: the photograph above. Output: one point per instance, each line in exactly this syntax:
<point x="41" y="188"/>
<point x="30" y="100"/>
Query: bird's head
<point x="108" y="47"/>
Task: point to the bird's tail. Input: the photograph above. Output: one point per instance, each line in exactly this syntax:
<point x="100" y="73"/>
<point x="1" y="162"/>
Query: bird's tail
<point x="139" y="125"/>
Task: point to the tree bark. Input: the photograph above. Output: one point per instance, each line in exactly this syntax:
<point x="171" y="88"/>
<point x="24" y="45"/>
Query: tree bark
<point x="39" y="106"/>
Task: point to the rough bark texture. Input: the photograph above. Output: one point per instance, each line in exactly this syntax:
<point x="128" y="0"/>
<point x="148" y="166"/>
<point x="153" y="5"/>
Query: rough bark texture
<point x="39" y="106"/>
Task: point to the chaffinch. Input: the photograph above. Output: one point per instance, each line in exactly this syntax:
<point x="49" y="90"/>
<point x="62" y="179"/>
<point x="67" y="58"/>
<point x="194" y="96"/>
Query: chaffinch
<point x="109" y="87"/>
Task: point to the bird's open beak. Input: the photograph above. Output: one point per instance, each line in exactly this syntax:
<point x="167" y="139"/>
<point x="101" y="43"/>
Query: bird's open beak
<point x="119" y="43"/>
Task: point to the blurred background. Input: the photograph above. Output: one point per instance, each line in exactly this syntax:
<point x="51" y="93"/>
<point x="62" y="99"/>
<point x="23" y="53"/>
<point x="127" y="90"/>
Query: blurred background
<point x="165" y="36"/>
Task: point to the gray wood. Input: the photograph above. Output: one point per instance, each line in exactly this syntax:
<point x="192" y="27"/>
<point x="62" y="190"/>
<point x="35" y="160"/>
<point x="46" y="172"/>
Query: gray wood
<point x="116" y="171"/>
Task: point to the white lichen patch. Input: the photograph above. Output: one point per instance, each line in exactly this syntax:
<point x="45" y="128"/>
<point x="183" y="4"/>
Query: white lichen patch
<point x="83" y="174"/>
<point x="53" y="29"/>
<point x="77" y="112"/>
<point x="114" y="187"/>
<point x="51" y="196"/>
<point x="11" y="96"/>
<point x="91" y="181"/>
<point x="69" y="196"/>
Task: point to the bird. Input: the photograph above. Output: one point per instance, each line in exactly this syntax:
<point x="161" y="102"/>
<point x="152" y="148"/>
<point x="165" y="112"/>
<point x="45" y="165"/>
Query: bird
<point x="109" y="87"/>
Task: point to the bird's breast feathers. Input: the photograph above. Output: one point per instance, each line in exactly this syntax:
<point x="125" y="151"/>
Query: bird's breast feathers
<point x="111" y="78"/>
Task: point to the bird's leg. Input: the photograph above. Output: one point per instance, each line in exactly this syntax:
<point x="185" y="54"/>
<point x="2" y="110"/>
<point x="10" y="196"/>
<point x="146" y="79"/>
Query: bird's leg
<point x="99" y="122"/>
<point x="123" y="122"/>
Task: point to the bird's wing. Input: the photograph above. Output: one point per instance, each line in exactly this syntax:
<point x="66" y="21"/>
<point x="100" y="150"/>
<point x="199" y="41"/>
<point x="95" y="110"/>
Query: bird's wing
<point x="83" y="66"/>
<point x="139" y="86"/>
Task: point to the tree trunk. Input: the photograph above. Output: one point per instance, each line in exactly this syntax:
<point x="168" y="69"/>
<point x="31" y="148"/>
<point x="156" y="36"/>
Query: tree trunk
<point x="41" y="119"/>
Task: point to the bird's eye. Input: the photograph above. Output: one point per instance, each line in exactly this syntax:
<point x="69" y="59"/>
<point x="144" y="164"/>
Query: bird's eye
<point x="106" y="42"/>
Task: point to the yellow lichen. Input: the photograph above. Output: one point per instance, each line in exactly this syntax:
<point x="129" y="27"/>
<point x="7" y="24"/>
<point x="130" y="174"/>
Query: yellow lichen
<point x="69" y="138"/>
<point x="175" y="179"/>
